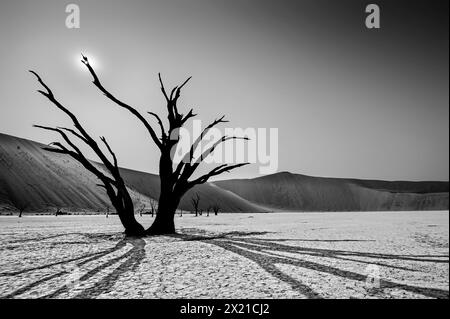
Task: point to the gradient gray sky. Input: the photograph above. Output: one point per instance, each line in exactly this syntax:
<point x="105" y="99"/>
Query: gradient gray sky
<point x="348" y="101"/>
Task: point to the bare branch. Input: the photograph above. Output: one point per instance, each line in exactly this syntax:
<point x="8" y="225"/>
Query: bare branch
<point x="98" y="84"/>
<point x="54" y="150"/>
<point x="49" y="92"/>
<point x="188" y="157"/>
<point x="77" y="154"/>
<point x="173" y="91"/>
<point x="74" y="133"/>
<point x="168" y="100"/>
<point x="188" y="116"/>
<point x="64" y="136"/>
<point x="216" y="171"/>
<point x="110" y="151"/>
<point x="87" y="138"/>
<point x="177" y="94"/>
<point x="163" y="132"/>
<point x="175" y="118"/>
<point x="188" y="168"/>
<point x="61" y="149"/>
<point x="211" y="149"/>
<point x="163" y="90"/>
<point x="175" y="98"/>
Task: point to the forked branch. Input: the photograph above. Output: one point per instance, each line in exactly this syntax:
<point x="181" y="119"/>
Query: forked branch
<point x="110" y="96"/>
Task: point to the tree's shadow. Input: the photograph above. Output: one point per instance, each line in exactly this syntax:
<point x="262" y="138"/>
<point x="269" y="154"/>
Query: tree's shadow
<point x="266" y="254"/>
<point x="129" y="261"/>
<point x="34" y="239"/>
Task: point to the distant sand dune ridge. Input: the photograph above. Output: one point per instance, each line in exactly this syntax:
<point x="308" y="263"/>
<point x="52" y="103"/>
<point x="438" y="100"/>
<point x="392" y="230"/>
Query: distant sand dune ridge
<point x="42" y="180"/>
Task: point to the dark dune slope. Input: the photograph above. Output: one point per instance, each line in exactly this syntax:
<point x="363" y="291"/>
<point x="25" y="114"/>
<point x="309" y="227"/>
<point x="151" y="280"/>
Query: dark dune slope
<point x="39" y="179"/>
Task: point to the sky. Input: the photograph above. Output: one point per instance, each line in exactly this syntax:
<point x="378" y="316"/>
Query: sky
<point x="347" y="101"/>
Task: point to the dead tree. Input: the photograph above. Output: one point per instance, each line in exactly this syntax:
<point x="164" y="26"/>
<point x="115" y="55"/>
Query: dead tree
<point x="19" y="205"/>
<point x="175" y="179"/>
<point x="21" y="208"/>
<point x="141" y="209"/>
<point x="114" y="184"/>
<point x="215" y="209"/>
<point x="152" y="207"/>
<point x="195" y="202"/>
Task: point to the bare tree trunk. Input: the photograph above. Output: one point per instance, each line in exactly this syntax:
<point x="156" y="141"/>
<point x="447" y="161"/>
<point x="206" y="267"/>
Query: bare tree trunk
<point x="132" y="227"/>
<point x="125" y="209"/>
<point x="167" y="205"/>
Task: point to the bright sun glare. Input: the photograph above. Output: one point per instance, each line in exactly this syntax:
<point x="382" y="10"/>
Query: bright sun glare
<point x="92" y="60"/>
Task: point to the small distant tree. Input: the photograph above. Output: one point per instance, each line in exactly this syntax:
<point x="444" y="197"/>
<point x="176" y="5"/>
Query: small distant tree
<point x="215" y="209"/>
<point x="20" y="206"/>
<point x="195" y="202"/>
<point x="141" y="209"/>
<point x="152" y="207"/>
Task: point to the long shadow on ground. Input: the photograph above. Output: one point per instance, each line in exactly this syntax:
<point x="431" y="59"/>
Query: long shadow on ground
<point x="129" y="261"/>
<point x="266" y="253"/>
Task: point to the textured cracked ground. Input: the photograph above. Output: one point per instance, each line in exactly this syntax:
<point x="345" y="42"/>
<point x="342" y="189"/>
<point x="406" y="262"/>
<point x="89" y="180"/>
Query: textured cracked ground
<point x="284" y="255"/>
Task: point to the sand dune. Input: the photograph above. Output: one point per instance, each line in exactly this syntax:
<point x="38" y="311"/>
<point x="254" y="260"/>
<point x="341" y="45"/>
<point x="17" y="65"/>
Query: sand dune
<point x="297" y="192"/>
<point x="148" y="185"/>
<point x="45" y="181"/>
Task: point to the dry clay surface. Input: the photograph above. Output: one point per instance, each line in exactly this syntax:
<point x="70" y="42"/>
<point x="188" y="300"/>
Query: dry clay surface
<point x="279" y="255"/>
